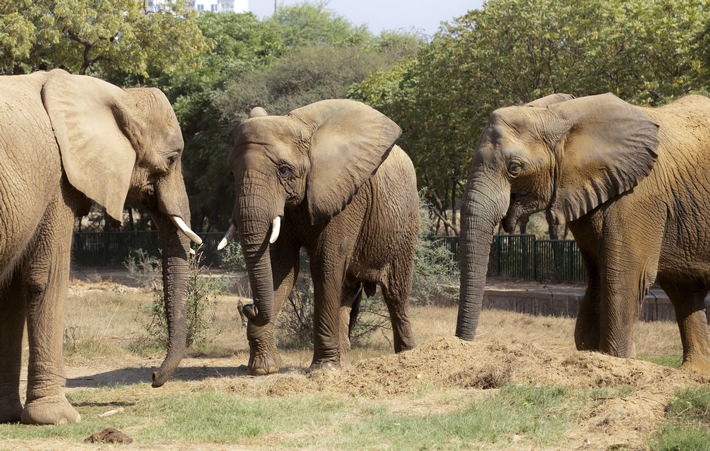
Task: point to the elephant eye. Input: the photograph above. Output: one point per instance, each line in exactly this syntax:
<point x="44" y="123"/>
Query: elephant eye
<point x="285" y="171"/>
<point x="514" y="168"/>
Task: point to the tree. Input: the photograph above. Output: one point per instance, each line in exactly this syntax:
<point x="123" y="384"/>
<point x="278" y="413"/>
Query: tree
<point x="94" y="36"/>
<point x="308" y="24"/>
<point x="239" y="43"/>
<point x="512" y="51"/>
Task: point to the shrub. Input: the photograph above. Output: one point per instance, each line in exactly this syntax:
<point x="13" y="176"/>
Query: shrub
<point x="231" y="257"/>
<point x="435" y="270"/>
<point x="201" y="303"/>
<point x="144" y="269"/>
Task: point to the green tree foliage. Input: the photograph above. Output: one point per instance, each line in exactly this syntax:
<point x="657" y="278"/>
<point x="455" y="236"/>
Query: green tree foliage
<point x="239" y="43"/>
<point x="95" y="36"/>
<point x="514" y="51"/>
<point x="307" y="24"/>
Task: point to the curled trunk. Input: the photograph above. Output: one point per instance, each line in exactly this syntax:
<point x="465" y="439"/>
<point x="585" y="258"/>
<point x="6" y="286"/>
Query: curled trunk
<point x="258" y="262"/>
<point x="175" y="251"/>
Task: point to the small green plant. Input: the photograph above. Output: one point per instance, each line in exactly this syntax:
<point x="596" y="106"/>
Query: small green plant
<point x="295" y="328"/>
<point x="200" y="306"/>
<point x="231" y="257"/>
<point x="144" y="269"/>
<point x="435" y="270"/>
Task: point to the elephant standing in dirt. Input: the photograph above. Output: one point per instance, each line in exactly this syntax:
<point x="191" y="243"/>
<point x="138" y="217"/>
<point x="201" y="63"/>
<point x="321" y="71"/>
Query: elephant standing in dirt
<point x="634" y="186"/>
<point x="326" y="177"/>
<point x="67" y="140"/>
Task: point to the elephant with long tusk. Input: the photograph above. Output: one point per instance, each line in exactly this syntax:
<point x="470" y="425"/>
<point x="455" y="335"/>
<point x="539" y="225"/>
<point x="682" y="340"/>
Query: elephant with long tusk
<point x="65" y="141"/>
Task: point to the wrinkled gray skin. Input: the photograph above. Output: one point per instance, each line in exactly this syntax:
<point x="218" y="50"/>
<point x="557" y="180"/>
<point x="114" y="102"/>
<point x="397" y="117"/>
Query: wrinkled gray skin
<point x="634" y="186"/>
<point x="348" y="196"/>
<point x="66" y="140"/>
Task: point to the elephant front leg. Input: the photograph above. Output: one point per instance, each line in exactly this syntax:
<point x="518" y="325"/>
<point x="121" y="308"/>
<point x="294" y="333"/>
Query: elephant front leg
<point x="12" y="321"/>
<point x="327" y="291"/>
<point x="45" y="285"/>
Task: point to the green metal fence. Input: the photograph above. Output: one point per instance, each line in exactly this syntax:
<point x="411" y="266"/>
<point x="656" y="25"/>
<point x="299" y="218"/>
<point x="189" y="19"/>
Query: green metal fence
<point x="512" y="256"/>
<point x="114" y="248"/>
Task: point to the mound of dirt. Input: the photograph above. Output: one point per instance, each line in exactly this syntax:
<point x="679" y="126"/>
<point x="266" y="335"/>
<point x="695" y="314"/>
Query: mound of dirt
<point x="453" y="364"/>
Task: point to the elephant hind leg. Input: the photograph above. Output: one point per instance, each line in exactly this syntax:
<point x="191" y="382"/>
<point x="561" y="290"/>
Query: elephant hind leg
<point x="688" y="300"/>
<point x="12" y="322"/>
<point x="396" y="293"/>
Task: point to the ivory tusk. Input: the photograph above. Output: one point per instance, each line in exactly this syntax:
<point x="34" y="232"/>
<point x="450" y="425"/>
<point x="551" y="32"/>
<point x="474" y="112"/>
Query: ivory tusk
<point x="180" y="224"/>
<point x="275" y="229"/>
<point x="227" y="236"/>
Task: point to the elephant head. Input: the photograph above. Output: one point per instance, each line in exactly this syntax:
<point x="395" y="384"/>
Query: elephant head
<point x="558" y="153"/>
<point x="317" y="156"/>
<point x="121" y="145"/>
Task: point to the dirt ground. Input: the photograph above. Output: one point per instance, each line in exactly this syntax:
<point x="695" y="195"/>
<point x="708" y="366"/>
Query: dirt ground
<point x="510" y="348"/>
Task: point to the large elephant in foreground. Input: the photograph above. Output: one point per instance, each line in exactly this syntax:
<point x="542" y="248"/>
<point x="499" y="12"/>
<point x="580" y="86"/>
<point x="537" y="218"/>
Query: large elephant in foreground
<point x="634" y="186"/>
<point x="326" y="177"/>
<point x="67" y="140"/>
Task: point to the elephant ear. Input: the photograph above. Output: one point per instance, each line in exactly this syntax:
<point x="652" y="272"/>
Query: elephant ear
<point x="89" y="123"/>
<point x="349" y="143"/>
<point x="605" y="147"/>
<point x="544" y="102"/>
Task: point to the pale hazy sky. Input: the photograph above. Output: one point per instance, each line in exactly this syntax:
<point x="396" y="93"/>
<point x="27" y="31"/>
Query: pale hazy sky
<point x="409" y="15"/>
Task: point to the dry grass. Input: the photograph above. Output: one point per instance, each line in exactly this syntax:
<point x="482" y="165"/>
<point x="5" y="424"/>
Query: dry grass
<point x="608" y="401"/>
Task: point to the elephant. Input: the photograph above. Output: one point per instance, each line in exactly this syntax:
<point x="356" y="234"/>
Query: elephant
<point x="633" y="185"/>
<point x="326" y="177"/>
<point x="67" y="141"/>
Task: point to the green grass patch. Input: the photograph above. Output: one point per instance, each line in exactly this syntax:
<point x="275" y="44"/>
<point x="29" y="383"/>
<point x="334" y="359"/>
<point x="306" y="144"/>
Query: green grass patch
<point x="689" y="422"/>
<point x="188" y="417"/>
<point x="539" y="415"/>
<point x="671" y="360"/>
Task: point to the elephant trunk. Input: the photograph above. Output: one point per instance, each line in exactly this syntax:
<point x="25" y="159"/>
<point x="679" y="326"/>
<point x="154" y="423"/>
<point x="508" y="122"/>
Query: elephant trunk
<point x="256" y="233"/>
<point x="482" y="210"/>
<point x="175" y="251"/>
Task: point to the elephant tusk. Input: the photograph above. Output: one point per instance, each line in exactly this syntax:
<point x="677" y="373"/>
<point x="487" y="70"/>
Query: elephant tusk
<point x="180" y="224"/>
<point x="227" y="236"/>
<point x="275" y="229"/>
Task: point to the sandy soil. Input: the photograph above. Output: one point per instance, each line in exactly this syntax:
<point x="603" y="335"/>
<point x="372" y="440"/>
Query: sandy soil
<point x="510" y="348"/>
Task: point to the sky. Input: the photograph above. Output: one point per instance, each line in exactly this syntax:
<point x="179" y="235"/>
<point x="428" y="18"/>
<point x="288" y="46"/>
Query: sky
<point x="409" y="15"/>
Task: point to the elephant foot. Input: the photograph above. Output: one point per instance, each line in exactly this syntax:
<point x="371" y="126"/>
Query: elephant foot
<point x="261" y="364"/>
<point x="10" y="410"/>
<point x="50" y="410"/>
<point x="697" y="365"/>
<point x="326" y="365"/>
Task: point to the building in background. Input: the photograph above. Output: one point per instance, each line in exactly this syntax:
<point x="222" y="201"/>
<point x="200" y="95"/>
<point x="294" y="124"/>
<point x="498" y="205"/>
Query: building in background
<point x="218" y="6"/>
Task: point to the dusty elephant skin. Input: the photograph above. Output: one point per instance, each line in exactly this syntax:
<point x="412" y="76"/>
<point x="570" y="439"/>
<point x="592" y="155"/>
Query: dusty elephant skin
<point x="67" y="140"/>
<point x="634" y="186"/>
<point x="330" y="178"/>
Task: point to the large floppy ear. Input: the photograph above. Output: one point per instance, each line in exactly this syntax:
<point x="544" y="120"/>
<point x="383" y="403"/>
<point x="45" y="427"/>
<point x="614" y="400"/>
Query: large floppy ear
<point x="349" y="143"/>
<point x="89" y="123"/>
<point x="544" y="102"/>
<point x="604" y="148"/>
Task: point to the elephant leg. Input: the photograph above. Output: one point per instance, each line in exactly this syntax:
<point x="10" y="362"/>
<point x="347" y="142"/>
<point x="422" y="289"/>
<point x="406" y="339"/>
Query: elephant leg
<point x="586" y="329"/>
<point x="396" y="293"/>
<point x="327" y="292"/>
<point x="264" y="357"/>
<point x="12" y="322"/>
<point x="45" y="281"/>
<point x="350" y="298"/>
<point x="689" y="303"/>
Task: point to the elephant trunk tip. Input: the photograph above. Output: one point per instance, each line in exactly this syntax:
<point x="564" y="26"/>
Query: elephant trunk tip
<point x="259" y="318"/>
<point x="162" y="374"/>
<point x="160" y="377"/>
<point x="465" y="336"/>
